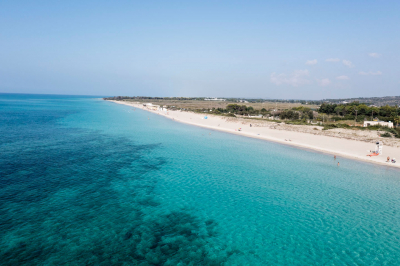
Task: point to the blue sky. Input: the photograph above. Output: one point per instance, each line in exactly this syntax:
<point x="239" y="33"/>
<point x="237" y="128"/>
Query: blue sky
<point x="266" y="49"/>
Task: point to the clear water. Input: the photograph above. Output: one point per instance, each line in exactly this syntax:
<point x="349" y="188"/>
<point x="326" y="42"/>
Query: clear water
<point x="89" y="182"/>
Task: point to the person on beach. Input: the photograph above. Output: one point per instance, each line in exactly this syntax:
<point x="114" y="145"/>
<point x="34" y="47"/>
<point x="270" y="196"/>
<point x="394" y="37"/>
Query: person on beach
<point x="388" y="159"/>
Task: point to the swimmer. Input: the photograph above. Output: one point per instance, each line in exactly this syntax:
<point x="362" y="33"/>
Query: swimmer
<point x="334" y="157"/>
<point x="338" y="164"/>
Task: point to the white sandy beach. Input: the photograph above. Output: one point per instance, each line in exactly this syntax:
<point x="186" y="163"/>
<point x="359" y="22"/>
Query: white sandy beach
<point x="340" y="147"/>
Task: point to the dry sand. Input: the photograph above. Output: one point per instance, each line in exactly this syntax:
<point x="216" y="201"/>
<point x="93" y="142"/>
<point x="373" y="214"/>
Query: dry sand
<point x="340" y="142"/>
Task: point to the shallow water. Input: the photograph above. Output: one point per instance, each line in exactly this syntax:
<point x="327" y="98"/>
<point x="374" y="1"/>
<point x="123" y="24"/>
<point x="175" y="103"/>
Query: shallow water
<point x="89" y="182"/>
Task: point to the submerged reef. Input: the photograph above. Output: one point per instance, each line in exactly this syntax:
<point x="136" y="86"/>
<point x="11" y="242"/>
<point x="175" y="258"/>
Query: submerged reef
<point x="90" y="199"/>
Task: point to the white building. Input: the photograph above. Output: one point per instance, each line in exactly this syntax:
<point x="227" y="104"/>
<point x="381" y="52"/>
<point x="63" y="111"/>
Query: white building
<point x="380" y="123"/>
<point x="214" y="99"/>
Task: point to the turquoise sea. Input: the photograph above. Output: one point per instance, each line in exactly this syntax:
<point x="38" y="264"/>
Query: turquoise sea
<point x="88" y="182"/>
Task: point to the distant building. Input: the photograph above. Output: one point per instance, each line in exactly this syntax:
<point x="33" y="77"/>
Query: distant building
<point x="214" y="99"/>
<point x="380" y="123"/>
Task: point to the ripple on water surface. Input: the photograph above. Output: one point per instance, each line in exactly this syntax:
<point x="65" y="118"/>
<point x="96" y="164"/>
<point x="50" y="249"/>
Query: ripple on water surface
<point x="90" y="183"/>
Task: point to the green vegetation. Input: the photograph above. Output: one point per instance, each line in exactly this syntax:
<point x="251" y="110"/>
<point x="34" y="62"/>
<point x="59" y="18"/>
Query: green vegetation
<point x="386" y="135"/>
<point x="300" y="114"/>
<point x="330" y="115"/>
<point x="332" y="126"/>
<point x="236" y="109"/>
<point x="360" y="110"/>
<point x="394" y="131"/>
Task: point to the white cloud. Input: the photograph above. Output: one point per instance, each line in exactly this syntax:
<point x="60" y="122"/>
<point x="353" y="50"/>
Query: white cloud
<point x="294" y="79"/>
<point x="374" y="55"/>
<point x="324" y="82"/>
<point x="312" y="62"/>
<point x="370" y="73"/>
<point x="343" y="77"/>
<point x="332" y="60"/>
<point x="348" y="63"/>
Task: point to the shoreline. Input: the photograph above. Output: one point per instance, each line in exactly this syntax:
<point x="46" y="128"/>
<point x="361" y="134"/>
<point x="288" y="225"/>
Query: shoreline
<point x="325" y="144"/>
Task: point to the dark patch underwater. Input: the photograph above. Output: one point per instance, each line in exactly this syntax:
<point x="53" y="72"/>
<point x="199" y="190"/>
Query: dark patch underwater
<point x="61" y="201"/>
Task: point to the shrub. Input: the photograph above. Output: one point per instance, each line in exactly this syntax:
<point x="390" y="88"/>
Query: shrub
<point x="331" y="126"/>
<point x="386" y="135"/>
<point x="349" y="117"/>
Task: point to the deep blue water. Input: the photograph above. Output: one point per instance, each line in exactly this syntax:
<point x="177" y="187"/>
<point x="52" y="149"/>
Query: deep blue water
<point x="89" y="182"/>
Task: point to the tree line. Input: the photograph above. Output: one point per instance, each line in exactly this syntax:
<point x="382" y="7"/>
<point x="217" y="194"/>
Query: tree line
<point x="295" y="113"/>
<point x="238" y="110"/>
<point x="363" y="112"/>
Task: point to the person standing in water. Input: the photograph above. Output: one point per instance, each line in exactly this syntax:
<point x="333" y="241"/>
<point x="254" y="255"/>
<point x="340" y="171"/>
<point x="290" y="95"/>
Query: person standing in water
<point x="334" y="157"/>
<point x="338" y="164"/>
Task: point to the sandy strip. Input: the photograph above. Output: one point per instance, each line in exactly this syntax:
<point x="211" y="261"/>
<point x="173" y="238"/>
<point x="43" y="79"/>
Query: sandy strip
<point x="335" y="146"/>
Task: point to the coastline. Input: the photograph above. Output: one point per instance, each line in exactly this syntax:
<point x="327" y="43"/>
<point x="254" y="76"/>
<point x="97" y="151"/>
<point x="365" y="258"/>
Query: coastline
<point x="346" y="148"/>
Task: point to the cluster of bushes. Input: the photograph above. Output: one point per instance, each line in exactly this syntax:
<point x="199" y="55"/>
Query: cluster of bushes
<point x="350" y="110"/>
<point x="386" y="135"/>
<point x="301" y="112"/>
<point x="236" y="109"/>
<point x="395" y="132"/>
<point x="332" y="126"/>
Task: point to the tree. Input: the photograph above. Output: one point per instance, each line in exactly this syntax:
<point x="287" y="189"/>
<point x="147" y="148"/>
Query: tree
<point x="338" y="109"/>
<point x="396" y="121"/>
